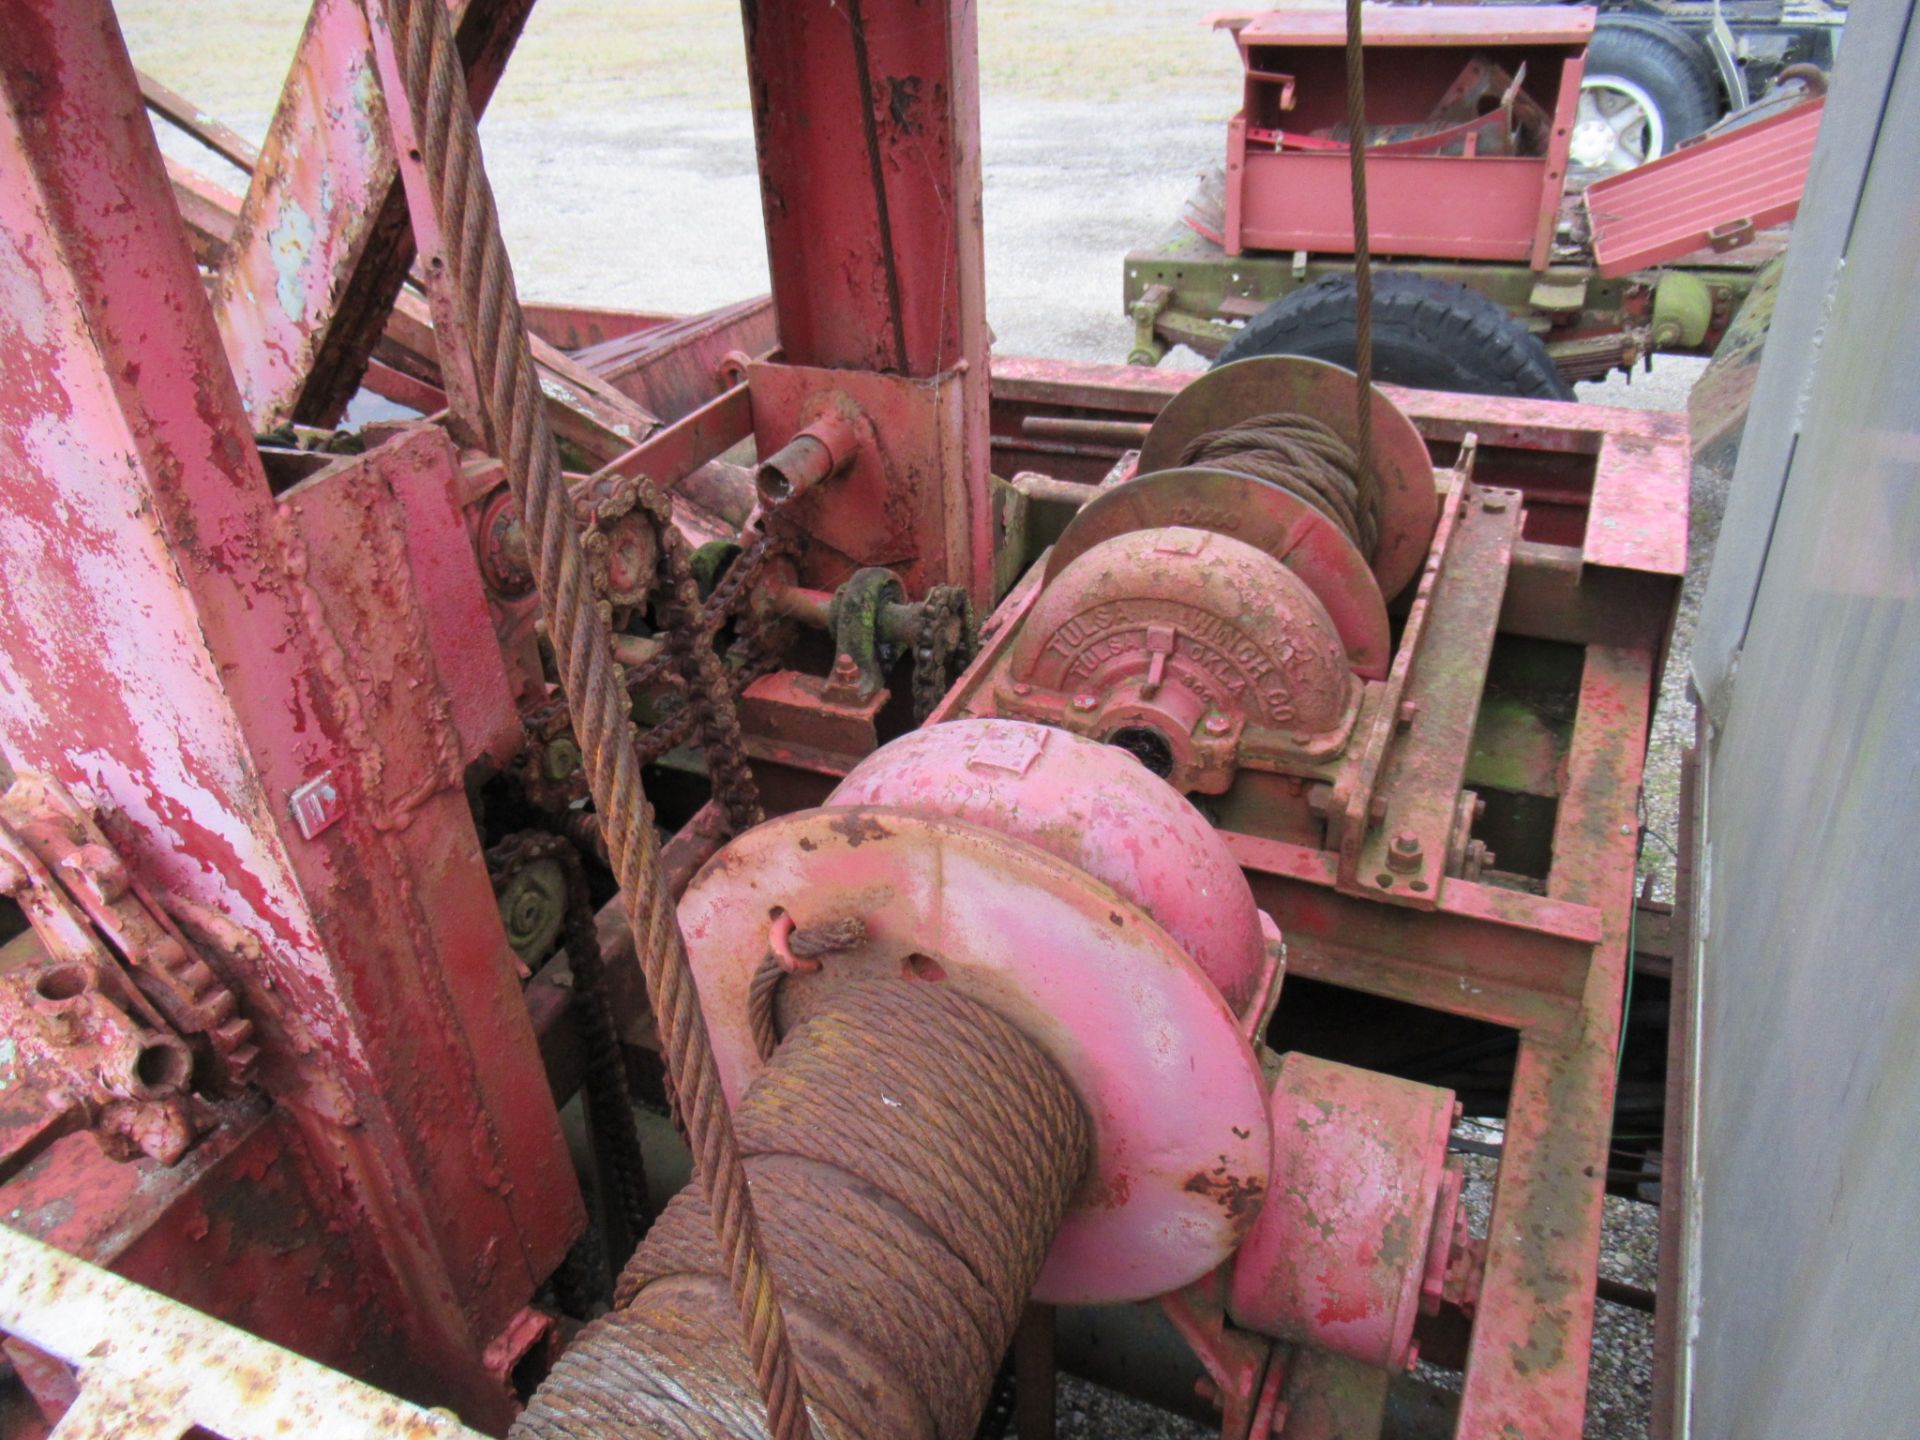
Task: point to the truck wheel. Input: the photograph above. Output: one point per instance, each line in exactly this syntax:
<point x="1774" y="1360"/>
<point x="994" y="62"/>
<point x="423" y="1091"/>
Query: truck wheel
<point x="1429" y="334"/>
<point x="1647" y="87"/>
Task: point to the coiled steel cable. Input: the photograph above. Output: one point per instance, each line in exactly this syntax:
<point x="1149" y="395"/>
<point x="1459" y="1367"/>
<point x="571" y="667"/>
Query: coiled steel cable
<point x="481" y="285"/>
<point x="1304" y="457"/>
<point x="912" y="1154"/>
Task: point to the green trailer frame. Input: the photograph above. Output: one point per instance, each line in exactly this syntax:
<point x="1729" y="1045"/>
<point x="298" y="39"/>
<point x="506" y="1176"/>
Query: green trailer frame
<point x="1183" y="289"/>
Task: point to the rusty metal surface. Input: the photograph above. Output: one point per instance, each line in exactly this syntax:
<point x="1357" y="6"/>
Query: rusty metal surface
<point x="1716" y="194"/>
<point x="867" y="124"/>
<point x="164" y="1368"/>
<point x="321" y="243"/>
<point x="1402" y="799"/>
<point x="1092" y="806"/>
<point x="1264" y="516"/>
<point x="1359" y="1226"/>
<point x="913" y="1153"/>
<point x="1293" y="384"/>
<point x="1168" y="1080"/>
<point x="458" y="227"/>
<point x="280" y="699"/>
<point x="1203" y="652"/>
<point x="896" y="504"/>
<point x="165" y="648"/>
<point x="1527" y="1362"/>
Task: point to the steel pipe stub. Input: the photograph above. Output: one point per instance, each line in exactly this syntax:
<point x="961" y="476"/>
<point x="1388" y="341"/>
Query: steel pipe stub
<point x="1181" y="1144"/>
<point x="1296" y="385"/>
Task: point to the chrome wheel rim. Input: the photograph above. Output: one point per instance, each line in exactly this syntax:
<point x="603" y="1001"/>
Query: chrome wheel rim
<point x="1616" y="126"/>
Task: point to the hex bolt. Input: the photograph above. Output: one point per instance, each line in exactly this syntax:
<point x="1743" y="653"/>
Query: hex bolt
<point x="1021" y="687"/>
<point x="1404" y="854"/>
<point x="1085" y="703"/>
<point x="846" y="669"/>
<point x="1218" y="725"/>
<point x="1493" y="504"/>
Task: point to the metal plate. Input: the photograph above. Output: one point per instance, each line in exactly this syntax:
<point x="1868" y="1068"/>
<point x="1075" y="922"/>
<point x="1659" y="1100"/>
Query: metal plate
<point x="1169" y="1082"/>
<point x="1716" y="193"/>
<point x="1293" y="384"/>
<point x="1262" y="515"/>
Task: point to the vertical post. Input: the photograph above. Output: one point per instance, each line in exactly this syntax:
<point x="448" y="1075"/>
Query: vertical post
<point x="166" y="641"/>
<point x="867" y="117"/>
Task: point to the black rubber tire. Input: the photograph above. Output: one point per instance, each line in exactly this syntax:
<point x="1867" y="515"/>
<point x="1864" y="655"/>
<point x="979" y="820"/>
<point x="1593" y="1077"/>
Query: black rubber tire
<point x="1428" y="334"/>
<point x="1672" y="67"/>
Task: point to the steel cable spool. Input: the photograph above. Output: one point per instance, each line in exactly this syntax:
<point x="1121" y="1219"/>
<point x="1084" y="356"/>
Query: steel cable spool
<point x="1305" y="457"/>
<point x="911" y="1155"/>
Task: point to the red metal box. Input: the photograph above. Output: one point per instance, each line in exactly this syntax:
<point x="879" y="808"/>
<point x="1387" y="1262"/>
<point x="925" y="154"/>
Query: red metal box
<point x="1469" y="109"/>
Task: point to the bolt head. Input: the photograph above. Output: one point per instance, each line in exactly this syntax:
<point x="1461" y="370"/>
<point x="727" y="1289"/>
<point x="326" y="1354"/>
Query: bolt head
<point x="1407" y="843"/>
<point x="1022" y="688"/>
<point x="1084" y="703"/>
<point x="1218" y="725"/>
<point x="563" y="758"/>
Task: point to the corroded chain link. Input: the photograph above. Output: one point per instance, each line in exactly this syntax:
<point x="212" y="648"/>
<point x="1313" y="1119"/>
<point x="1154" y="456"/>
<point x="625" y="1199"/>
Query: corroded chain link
<point x="942" y="638"/>
<point x="480" y="285"/>
<point x="727" y="602"/>
<point x="609" y="1098"/>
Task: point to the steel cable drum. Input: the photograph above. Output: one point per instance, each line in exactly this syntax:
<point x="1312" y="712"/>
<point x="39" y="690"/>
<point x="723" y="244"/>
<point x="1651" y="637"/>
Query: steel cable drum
<point x="1409" y="505"/>
<point x="1154" y="1053"/>
<point x="911" y="1153"/>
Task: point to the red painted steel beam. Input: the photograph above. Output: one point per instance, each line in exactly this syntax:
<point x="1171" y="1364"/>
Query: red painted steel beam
<point x="868" y="122"/>
<point x="322" y="245"/>
<point x="168" y="640"/>
<point x="866" y="113"/>
<point x="1533" y="1334"/>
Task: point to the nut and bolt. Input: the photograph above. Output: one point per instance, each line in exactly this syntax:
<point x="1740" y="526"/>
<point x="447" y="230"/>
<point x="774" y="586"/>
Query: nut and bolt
<point x="1021" y="687"/>
<point x="1493" y="504"/>
<point x="1217" y="725"/>
<point x="1404" y="854"/>
<point x="1085" y="703"/>
<point x="845" y="669"/>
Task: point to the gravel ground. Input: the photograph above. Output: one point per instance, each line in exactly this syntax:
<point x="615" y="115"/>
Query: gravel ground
<point x="625" y="172"/>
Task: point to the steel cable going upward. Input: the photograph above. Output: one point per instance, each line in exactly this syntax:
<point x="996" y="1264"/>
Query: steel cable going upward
<point x="481" y="282"/>
<point x="1362" y="244"/>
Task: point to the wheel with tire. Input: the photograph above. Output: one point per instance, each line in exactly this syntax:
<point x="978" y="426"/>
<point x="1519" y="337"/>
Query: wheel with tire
<point x="1428" y="334"/>
<point x="1648" y="85"/>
